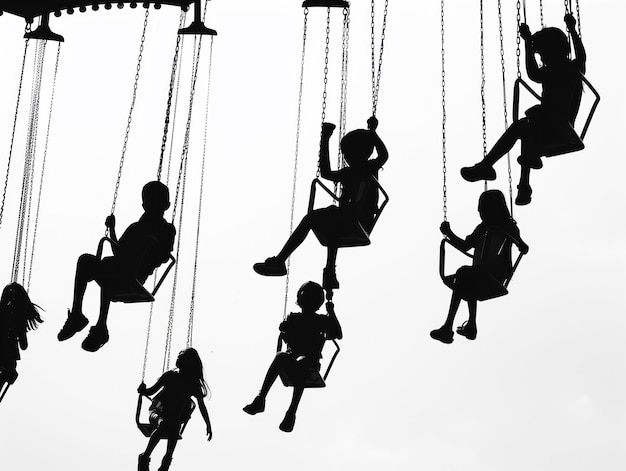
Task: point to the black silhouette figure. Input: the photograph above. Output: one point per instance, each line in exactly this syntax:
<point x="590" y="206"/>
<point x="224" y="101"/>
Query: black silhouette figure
<point x="18" y="315"/>
<point x="172" y="405"/>
<point x="358" y="203"/>
<point x="305" y="334"/>
<point x="547" y="128"/>
<point x="491" y="267"/>
<point x="144" y="246"/>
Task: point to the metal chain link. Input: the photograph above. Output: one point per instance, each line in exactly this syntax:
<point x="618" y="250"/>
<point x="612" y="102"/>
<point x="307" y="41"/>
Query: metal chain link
<point x="580" y="33"/>
<point x="482" y="83"/>
<point x="518" y="40"/>
<point x="325" y="93"/>
<point x="504" y="101"/>
<point x="17" y="107"/>
<point x="130" y="113"/>
<point x="43" y="165"/>
<point x="377" y="72"/>
<point x="541" y="13"/>
<point x="443" y="117"/>
<point x="343" y="106"/>
<point x="296" y="155"/>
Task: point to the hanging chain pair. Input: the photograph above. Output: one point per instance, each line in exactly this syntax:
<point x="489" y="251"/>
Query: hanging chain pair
<point x="130" y="113"/>
<point x="376" y="71"/>
<point x="343" y="102"/>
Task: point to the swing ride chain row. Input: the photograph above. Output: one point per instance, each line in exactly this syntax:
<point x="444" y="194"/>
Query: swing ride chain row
<point x="376" y="73"/>
<point x="296" y="155"/>
<point x="130" y="113"/>
<point x="17" y="107"/>
<point x="443" y="110"/>
<point x="43" y="164"/>
<point x="202" y="172"/>
<point x="504" y="101"/>
<point x="169" y="97"/>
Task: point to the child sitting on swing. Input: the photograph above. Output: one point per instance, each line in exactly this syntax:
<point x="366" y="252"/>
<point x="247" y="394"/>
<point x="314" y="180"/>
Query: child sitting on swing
<point x="547" y="128"/>
<point x="18" y="315"/>
<point x="172" y="405"/>
<point x="491" y="263"/>
<point x="144" y="246"/>
<point x="357" y="147"/>
<point x="305" y="333"/>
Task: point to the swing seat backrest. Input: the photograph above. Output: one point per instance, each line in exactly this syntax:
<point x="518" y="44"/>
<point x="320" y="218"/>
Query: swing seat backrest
<point x="562" y="138"/>
<point x="493" y="263"/>
<point x="355" y="230"/>
<point x="148" y="428"/>
<point x="125" y="287"/>
<point x="307" y="376"/>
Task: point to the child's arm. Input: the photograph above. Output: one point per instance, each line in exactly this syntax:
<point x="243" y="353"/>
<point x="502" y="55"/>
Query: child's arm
<point x="456" y="241"/>
<point x="334" y="329"/>
<point x="381" y="149"/>
<point x="149" y="391"/>
<point x="532" y="68"/>
<point x="205" y="416"/>
<point x="579" y="49"/>
<point x="110" y="225"/>
<point x="325" y="171"/>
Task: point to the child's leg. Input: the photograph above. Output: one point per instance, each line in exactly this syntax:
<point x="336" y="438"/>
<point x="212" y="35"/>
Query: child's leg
<point x="329" y="279"/>
<point x="517" y="130"/>
<point x="290" y="416"/>
<point x="455" y="302"/>
<point x="99" y="334"/>
<point x="86" y="267"/>
<point x="169" y="453"/>
<point x="296" y="238"/>
<point x="152" y="442"/>
<point x="272" y="373"/>
<point x="524" y="190"/>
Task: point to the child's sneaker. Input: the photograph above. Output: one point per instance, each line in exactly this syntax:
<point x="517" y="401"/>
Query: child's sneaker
<point x="467" y="330"/>
<point x="96" y="338"/>
<point x="256" y="406"/>
<point x="532" y="161"/>
<point x="288" y="422"/>
<point x="524" y="193"/>
<point x="443" y="334"/>
<point x="74" y="323"/>
<point x="477" y="172"/>
<point x="329" y="279"/>
<point x="271" y="267"/>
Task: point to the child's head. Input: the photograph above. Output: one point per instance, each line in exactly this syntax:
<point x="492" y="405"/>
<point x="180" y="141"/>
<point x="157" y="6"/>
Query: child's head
<point x="492" y="207"/>
<point x="310" y="296"/>
<point x="357" y="146"/>
<point x="190" y="365"/>
<point x="15" y="302"/>
<point x="551" y="44"/>
<point x="155" y="197"/>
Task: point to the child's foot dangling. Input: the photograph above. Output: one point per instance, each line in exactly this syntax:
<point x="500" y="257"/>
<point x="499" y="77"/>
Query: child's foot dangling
<point x="467" y="330"/>
<point x="480" y="171"/>
<point x="272" y="266"/>
<point x="329" y="279"/>
<point x="288" y="422"/>
<point x="524" y="193"/>
<point x="443" y="334"/>
<point x="75" y="323"/>
<point x="532" y="161"/>
<point x="256" y="406"/>
<point x="96" y="338"/>
<point x="143" y="463"/>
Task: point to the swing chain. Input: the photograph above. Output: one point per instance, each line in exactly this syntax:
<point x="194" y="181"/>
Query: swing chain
<point x="443" y="109"/>
<point x="482" y="83"/>
<point x="376" y="73"/>
<point x="580" y="34"/>
<point x="518" y="40"/>
<point x="344" y="92"/>
<point x="326" y="54"/>
<point x="541" y="13"/>
<point x="130" y="113"/>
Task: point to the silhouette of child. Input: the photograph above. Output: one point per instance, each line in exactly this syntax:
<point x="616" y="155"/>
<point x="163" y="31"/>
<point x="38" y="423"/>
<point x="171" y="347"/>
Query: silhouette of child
<point x="548" y="126"/>
<point x="144" y="246"/>
<point x="172" y="405"/>
<point x="305" y="333"/>
<point x="18" y="315"/>
<point x="491" y="240"/>
<point x="357" y="146"/>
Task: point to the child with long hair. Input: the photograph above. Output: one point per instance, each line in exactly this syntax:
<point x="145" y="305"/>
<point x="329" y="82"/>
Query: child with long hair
<point x="18" y="315"/>
<point x="172" y="405"/>
<point x="492" y="241"/>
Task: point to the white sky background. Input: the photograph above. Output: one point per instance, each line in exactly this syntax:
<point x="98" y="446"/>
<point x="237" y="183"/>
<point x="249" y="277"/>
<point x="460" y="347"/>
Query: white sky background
<point x="542" y="388"/>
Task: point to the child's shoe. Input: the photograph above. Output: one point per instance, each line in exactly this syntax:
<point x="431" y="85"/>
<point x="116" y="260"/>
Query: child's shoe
<point x="143" y="463"/>
<point x="165" y="463"/>
<point x="532" y="161"/>
<point x="524" y="193"/>
<point x="96" y="338"/>
<point x="329" y="279"/>
<point x="288" y="422"/>
<point x="256" y="406"/>
<point x="443" y="334"/>
<point x="480" y="171"/>
<point x="467" y="330"/>
<point x="271" y="267"/>
<point x="74" y="323"/>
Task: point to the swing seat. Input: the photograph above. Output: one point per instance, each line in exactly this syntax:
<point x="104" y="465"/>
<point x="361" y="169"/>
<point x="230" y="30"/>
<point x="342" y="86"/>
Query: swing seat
<point x="354" y="231"/>
<point x="492" y="252"/>
<point x="560" y="138"/>
<point x="148" y="428"/>
<point x="127" y="289"/>
<point x="308" y="377"/>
